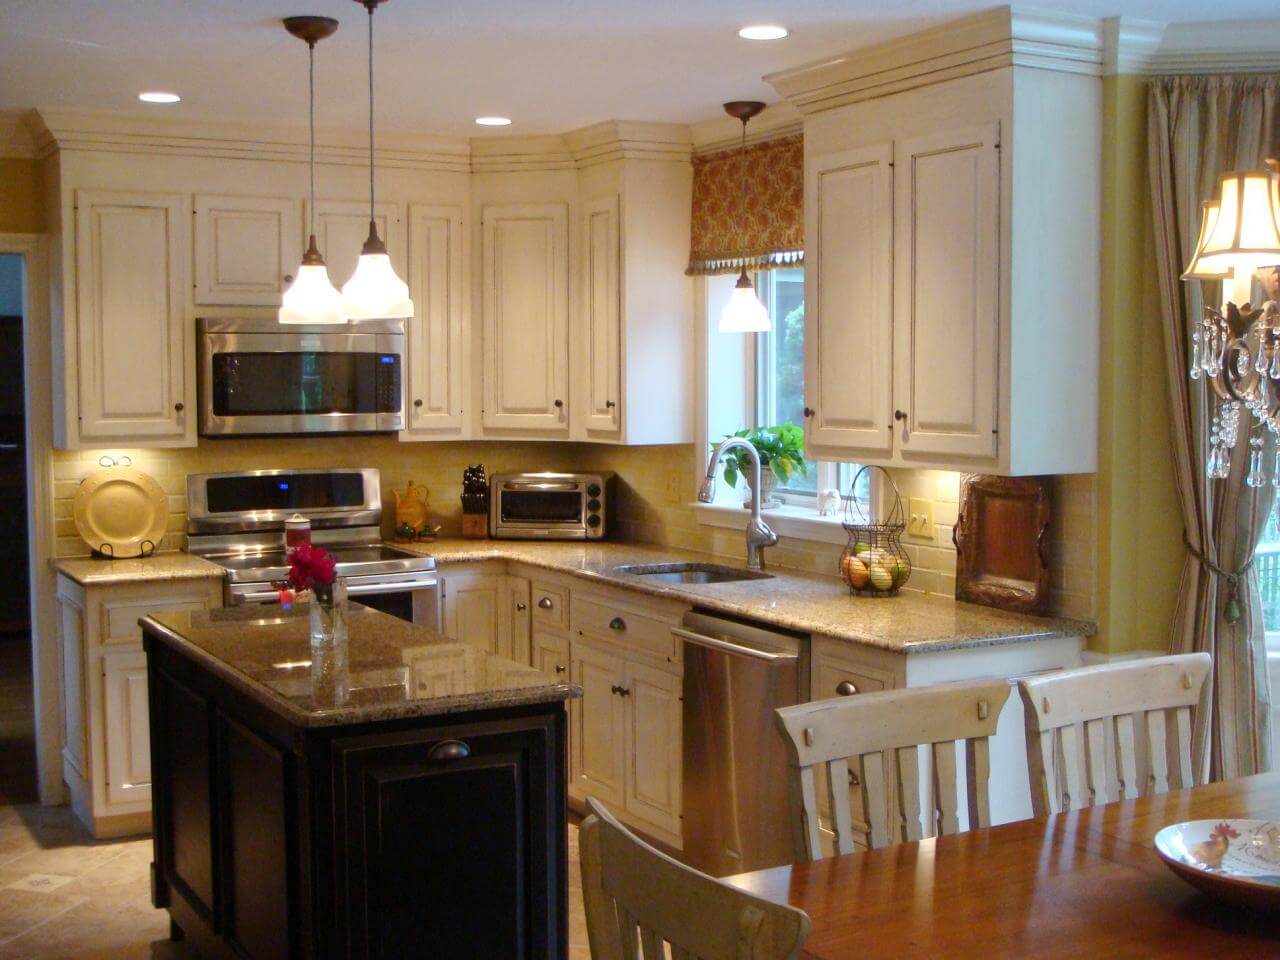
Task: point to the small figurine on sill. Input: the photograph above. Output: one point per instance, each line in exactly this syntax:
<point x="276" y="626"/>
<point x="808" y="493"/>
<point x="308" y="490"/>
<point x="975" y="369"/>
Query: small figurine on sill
<point x="829" y="502"/>
<point x="412" y="519"/>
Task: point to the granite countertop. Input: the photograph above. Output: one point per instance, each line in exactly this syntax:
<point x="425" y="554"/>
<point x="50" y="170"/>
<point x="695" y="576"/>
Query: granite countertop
<point x="389" y="669"/>
<point x="172" y="565"/>
<point x="908" y="623"/>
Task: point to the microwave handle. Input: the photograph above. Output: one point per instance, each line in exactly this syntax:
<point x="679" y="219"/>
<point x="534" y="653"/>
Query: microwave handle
<point x="531" y="485"/>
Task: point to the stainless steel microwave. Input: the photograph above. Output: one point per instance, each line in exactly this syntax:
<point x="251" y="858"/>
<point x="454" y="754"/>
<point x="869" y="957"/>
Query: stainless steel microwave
<point x="259" y="377"/>
<point x="549" y="506"/>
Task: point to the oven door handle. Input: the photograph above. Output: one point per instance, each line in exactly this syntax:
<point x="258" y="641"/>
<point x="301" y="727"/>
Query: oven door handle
<point x="531" y="485"/>
<point x="256" y="596"/>
<point x="394" y="586"/>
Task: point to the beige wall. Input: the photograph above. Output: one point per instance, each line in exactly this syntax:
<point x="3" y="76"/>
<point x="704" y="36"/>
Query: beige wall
<point x="21" y="189"/>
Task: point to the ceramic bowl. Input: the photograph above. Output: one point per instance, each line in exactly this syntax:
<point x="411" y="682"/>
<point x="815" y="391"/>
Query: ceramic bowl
<point x="1235" y="860"/>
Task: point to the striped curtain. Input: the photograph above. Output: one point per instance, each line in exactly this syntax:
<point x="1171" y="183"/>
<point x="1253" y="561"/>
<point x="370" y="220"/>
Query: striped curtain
<point x="748" y="208"/>
<point x="1199" y="127"/>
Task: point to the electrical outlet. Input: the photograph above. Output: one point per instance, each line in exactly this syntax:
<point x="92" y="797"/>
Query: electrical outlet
<point x="920" y="518"/>
<point x="674" y="486"/>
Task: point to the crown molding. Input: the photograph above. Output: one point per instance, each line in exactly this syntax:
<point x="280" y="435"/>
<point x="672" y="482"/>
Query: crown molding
<point x="1002" y="37"/>
<point x="629" y="140"/>
<point x="723" y="133"/>
<point x="66" y="130"/>
<point x="16" y="138"/>
<point x="1223" y="46"/>
<point x="1129" y="45"/>
<point x="520" y="154"/>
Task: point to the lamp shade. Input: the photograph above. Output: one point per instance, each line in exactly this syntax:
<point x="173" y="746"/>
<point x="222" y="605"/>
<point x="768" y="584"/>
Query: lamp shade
<point x="312" y="299"/>
<point x="374" y="292"/>
<point x="744" y="313"/>
<point x="1241" y="231"/>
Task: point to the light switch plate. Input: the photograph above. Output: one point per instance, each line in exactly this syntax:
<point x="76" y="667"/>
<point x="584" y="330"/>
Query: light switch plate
<point x="920" y="518"/>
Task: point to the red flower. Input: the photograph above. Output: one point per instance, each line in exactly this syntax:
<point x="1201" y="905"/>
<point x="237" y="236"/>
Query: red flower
<point x="311" y="568"/>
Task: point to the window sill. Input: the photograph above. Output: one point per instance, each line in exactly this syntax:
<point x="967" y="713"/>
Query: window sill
<point x="798" y="523"/>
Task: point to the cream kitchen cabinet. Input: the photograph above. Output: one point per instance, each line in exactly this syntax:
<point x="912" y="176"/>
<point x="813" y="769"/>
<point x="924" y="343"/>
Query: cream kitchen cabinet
<point x="602" y="304"/>
<point x="951" y="280"/>
<point x="126" y="351"/>
<point x="106" y="753"/>
<point x="473" y="606"/>
<point x="525" y="289"/>
<point x="438" y="382"/>
<point x="246" y="249"/>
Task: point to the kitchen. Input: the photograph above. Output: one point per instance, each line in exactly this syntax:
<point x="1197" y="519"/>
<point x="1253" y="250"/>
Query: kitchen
<point x="568" y="293"/>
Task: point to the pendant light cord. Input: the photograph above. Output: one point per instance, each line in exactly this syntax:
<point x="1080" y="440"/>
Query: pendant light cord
<point x="311" y="112"/>
<point x="371" y="201"/>
<point x="742" y="189"/>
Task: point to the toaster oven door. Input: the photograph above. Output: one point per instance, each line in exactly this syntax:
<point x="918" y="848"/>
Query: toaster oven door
<point x="540" y="509"/>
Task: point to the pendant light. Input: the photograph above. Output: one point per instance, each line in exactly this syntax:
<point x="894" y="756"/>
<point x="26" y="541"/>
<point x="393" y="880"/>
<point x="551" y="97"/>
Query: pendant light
<point x="312" y="298"/>
<point x="374" y="291"/>
<point x="744" y="313"/>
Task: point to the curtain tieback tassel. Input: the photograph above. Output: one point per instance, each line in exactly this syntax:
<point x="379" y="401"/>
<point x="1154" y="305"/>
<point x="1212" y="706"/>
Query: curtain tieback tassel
<point x="1232" y="613"/>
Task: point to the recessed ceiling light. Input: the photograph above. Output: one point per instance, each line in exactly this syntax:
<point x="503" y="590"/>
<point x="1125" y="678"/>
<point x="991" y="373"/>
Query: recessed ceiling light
<point x="494" y="121"/>
<point x="763" y="31"/>
<point x="158" y="96"/>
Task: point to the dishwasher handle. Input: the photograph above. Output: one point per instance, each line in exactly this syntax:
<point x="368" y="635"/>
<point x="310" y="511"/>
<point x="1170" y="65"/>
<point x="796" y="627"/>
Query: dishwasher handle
<point x="728" y="646"/>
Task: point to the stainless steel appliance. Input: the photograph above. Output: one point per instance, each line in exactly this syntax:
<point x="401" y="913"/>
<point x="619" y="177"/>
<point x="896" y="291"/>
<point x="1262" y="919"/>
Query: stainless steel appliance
<point x="258" y="377"/>
<point x="549" y="506"/>
<point x="736" y="814"/>
<point x="237" y="521"/>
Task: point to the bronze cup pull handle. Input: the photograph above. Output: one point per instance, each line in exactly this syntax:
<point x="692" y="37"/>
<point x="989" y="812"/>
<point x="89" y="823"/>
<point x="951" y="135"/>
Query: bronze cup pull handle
<point x="617" y="623"/>
<point x="449" y="750"/>
<point x="845" y="688"/>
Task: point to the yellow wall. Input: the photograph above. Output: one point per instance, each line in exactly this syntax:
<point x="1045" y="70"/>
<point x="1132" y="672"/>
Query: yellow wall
<point x="21" y="210"/>
<point x="1139" y="523"/>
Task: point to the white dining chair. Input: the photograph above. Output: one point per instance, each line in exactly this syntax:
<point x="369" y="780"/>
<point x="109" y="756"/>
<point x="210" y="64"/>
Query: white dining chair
<point x="1111" y="732"/>
<point x="883" y="736"/>
<point x="641" y="904"/>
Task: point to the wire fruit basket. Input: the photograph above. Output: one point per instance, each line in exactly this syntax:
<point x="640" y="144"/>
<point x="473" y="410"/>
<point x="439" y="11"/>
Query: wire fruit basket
<point x="874" y="564"/>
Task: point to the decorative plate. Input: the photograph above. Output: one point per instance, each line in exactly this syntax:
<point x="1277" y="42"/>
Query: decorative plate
<point x="121" y="512"/>
<point x="1236" y="860"/>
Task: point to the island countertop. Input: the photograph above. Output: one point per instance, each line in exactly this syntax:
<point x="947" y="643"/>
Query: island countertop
<point x="393" y="669"/>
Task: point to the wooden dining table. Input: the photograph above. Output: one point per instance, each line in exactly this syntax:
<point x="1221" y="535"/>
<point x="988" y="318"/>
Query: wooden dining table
<point x="1082" y="884"/>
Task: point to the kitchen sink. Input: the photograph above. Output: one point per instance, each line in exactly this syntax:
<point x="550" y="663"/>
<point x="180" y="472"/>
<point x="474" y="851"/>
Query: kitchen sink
<point x="690" y="572"/>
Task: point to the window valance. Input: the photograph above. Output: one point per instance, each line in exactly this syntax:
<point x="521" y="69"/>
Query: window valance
<point x="764" y="230"/>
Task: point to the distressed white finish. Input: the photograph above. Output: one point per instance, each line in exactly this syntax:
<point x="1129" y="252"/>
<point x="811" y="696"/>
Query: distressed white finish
<point x="245" y="247"/>
<point x="878" y="738"/>
<point x="106" y="757"/>
<point x="136" y="354"/>
<point x="848" y="298"/>
<point x="601" y="303"/>
<point x="1112" y="732"/>
<point x="643" y="905"/>
<point x="474" y="609"/>
<point x="525" y="277"/>
<point x="439" y="357"/>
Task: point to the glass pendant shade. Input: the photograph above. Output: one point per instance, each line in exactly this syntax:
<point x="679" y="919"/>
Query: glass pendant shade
<point x="1240" y="232"/>
<point x="374" y="292"/>
<point x="312" y="298"/>
<point x="744" y="313"/>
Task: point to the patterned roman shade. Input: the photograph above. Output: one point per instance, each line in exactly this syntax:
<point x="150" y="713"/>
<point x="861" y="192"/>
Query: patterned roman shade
<point x="764" y="231"/>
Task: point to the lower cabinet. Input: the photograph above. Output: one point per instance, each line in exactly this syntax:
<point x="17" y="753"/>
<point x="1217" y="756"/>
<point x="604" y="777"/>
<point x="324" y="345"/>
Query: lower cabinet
<point x="625" y="735"/>
<point x="128" y="739"/>
<point x="487" y="609"/>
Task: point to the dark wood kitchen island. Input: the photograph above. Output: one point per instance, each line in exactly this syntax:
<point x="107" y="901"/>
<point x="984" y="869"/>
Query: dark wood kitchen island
<point x="408" y="802"/>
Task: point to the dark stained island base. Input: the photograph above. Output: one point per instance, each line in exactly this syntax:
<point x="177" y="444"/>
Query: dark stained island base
<point x="403" y="798"/>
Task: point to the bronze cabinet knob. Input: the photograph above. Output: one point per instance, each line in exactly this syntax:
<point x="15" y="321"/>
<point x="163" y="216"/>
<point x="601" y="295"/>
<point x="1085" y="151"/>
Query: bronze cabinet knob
<point x="559" y="404"/>
<point x="417" y="403"/>
<point x="808" y="411"/>
<point x="520" y="607"/>
<point x="559" y="668"/>
<point x="179" y="406"/>
<point x="845" y="688"/>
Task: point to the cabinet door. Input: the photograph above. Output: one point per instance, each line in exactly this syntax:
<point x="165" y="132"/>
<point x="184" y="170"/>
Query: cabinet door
<point x="436" y="341"/>
<point x="136" y="373"/>
<point x="128" y="738"/>
<point x="946" y="295"/>
<point x="475" y="610"/>
<point x="653" y="720"/>
<point x="848" y="301"/>
<point x="342" y="226"/>
<point x="549" y="653"/>
<point x="526" y="317"/>
<point x="516" y="645"/>
<point x="72" y="630"/>
<point x="601" y="394"/>
<point x="244" y="248"/>
<point x="597" y="728"/>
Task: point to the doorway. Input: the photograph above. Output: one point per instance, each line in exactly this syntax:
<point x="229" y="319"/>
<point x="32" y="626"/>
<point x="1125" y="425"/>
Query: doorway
<point x="18" y="780"/>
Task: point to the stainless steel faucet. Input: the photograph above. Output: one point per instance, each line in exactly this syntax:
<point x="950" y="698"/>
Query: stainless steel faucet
<point x="759" y="535"/>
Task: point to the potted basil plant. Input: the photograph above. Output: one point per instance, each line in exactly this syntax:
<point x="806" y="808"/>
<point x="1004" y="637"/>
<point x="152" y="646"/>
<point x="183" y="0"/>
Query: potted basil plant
<point x="781" y="450"/>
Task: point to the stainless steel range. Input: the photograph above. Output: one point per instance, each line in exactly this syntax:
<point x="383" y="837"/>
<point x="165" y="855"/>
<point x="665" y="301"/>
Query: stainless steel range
<point x="237" y="521"/>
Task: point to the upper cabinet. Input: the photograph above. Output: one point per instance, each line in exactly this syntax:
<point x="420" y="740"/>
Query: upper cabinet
<point x="129" y="355"/>
<point x="438" y="354"/>
<point x="525" y="281"/>
<point x="601" y="307"/>
<point x="246" y="249"/>
<point x="952" y="279"/>
<point x="342" y="226"/>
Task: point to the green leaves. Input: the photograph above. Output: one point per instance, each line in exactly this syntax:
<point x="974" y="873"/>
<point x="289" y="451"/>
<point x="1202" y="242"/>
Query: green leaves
<point x="781" y="450"/>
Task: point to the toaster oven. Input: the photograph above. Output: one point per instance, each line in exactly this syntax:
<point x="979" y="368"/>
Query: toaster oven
<point x="549" y="506"/>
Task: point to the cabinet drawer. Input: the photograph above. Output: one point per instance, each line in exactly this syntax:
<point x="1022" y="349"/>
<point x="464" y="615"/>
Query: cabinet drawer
<point x="634" y="630"/>
<point x="550" y="605"/>
<point x="120" y="617"/>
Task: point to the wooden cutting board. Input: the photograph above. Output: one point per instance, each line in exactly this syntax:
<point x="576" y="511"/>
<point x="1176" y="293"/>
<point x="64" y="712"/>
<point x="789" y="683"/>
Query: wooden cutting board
<point x="1002" y="547"/>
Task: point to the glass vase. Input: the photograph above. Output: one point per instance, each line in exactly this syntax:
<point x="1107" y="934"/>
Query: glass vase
<point x="329" y="614"/>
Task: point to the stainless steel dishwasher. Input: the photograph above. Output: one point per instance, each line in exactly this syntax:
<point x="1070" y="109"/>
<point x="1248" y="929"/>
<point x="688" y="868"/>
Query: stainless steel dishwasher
<point x="736" y="673"/>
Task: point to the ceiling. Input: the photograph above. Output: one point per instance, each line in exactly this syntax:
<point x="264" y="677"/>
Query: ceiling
<point x="550" y="65"/>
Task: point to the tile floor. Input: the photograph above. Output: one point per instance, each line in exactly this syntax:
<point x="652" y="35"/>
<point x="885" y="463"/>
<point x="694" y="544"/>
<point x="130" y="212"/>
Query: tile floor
<point x="65" y="897"/>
